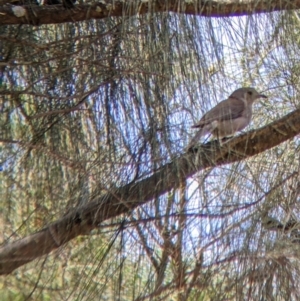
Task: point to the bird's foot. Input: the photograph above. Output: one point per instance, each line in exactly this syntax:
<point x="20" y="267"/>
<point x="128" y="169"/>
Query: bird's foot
<point x="224" y="140"/>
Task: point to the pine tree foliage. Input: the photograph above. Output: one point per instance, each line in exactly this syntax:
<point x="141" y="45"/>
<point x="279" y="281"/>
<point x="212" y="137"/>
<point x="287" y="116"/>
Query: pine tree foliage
<point x="89" y="107"/>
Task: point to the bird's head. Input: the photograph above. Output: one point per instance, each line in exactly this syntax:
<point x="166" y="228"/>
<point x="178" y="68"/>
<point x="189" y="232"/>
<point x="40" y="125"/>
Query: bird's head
<point x="248" y="94"/>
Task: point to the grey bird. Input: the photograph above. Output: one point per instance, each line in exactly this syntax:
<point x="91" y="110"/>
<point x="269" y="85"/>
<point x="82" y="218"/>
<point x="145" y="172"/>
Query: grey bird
<point x="227" y="117"/>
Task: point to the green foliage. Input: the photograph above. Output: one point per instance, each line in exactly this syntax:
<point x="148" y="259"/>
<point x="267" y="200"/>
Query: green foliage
<point x="89" y="107"/>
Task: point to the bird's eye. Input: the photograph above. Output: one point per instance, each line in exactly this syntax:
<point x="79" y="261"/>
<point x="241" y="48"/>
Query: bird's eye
<point x="250" y="92"/>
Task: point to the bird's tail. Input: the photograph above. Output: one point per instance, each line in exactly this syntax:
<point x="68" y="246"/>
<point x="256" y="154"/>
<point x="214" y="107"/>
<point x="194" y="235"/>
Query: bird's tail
<point x="195" y="140"/>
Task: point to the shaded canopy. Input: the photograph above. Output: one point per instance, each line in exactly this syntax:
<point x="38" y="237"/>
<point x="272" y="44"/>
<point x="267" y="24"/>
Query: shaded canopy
<point x="90" y="111"/>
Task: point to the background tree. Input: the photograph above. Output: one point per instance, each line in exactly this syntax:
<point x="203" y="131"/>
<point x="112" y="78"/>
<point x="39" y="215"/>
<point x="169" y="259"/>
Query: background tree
<point x="95" y="117"/>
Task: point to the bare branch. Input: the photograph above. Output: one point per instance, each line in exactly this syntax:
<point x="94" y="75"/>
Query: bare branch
<point x="82" y="220"/>
<point x="57" y="14"/>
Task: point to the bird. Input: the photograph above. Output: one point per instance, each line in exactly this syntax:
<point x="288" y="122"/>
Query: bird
<point x="228" y="116"/>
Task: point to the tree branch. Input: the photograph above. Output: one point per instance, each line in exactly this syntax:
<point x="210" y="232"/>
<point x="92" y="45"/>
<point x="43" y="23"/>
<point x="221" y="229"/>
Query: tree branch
<point x="38" y="15"/>
<point x="82" y="220"/>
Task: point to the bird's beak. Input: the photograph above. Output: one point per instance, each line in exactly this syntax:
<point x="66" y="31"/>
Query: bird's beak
<point x="262" y="96"/>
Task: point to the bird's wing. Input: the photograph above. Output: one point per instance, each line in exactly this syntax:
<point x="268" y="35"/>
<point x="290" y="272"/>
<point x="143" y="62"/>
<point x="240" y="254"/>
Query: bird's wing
<point x="227" y="109"/>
